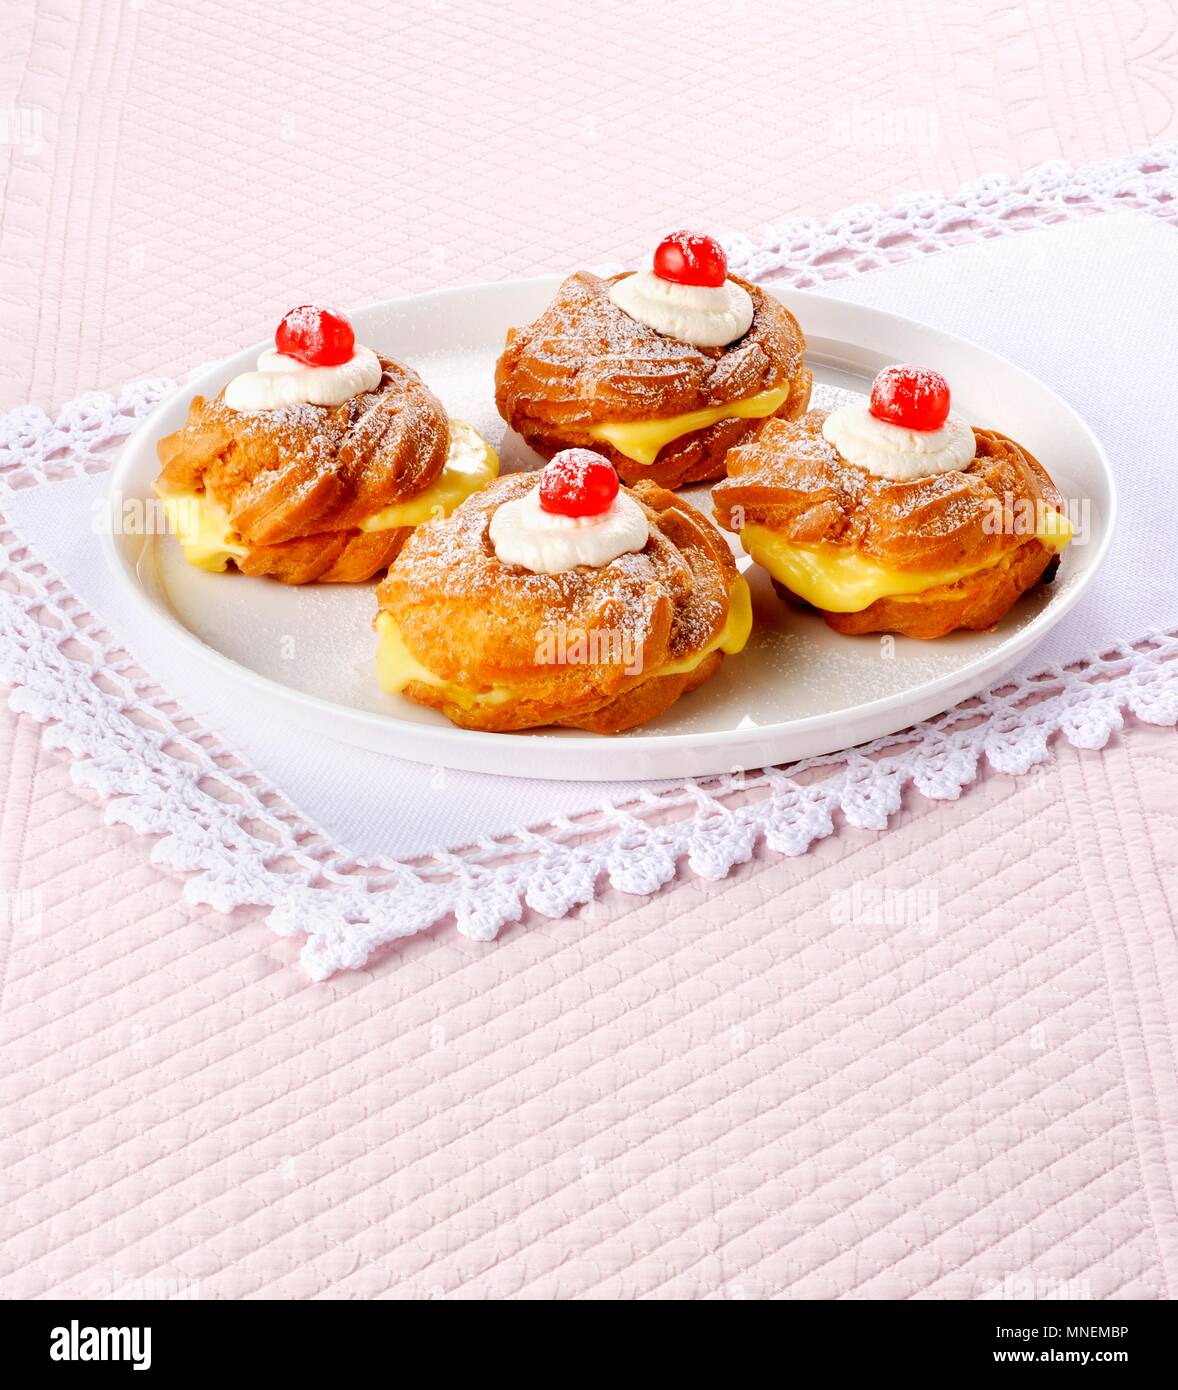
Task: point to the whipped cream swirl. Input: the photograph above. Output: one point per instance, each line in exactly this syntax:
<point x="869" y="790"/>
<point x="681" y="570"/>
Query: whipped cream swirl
<point x="702" y="315"/>
<point x="523" y="533"/>
<point x="894" y="452"/>
<point x="281" y="380"/>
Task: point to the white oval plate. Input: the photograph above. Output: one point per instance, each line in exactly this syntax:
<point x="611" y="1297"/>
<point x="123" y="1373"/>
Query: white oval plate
<point x="798" y="689"/>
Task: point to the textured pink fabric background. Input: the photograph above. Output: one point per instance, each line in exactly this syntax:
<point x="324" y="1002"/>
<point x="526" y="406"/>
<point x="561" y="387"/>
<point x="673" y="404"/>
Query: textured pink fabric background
<point x="722" y="1092"/>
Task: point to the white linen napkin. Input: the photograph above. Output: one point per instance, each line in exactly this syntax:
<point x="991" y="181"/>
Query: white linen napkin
<point x="1087" y="306"/>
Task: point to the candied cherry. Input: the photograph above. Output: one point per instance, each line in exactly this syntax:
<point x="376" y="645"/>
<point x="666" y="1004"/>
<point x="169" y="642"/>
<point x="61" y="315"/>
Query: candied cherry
<point x="577" y="482"/>
<point x="315" y="335"/>
<point x="687" y="258"/>
<point x="914" y="397"/>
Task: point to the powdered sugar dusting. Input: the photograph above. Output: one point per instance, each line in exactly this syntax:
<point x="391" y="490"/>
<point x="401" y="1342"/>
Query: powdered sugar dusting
<point x="793" y="479"/>
<point x="449" y="590"/>
<point x="307" y="323"/>
<point x="584" y="352"/>
<point x="826" y="397"/>
<point x="575" y="465"/>
<point x="345" y="461"/>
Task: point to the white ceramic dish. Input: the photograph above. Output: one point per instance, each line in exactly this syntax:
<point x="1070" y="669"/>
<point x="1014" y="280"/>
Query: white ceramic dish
<point x="798" y="689"/>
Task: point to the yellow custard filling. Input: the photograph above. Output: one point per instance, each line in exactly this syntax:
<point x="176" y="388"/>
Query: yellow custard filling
<point x="396" y="665"/>
<point x="206" y="534"/>
<point x="470" y="465"/>
<point x="732" y="636"/>
<point x="641" y="440"/>
<point x="842" y="580"/>
<point x="203" y="528"/>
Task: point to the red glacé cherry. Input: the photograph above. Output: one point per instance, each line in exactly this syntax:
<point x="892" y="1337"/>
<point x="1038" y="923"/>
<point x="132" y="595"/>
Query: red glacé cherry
<point x="577" y="482"/>
<point x="316" y="336"/>
<point x="686" y="258"/>
<point x="914" y="397"/>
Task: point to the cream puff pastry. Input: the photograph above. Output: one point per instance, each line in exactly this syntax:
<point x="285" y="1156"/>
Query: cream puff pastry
<point x="895" y="516"/>
<point x="558" y="598"/>
<point x="661" y="371"/>
<point x="318" y="465"/>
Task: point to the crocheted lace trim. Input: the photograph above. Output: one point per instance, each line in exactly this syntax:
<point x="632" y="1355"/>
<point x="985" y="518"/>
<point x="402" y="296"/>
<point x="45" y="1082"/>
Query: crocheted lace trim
<point x="220" y="822"/>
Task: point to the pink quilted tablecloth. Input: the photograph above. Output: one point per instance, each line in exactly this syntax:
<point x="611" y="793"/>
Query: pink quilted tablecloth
<point x="936" y="1063"/>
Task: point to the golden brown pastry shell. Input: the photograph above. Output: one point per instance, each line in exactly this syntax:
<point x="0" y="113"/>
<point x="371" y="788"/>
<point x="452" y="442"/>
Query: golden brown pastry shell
<point x="793" y="482"/>
<point x="478" y="623"/>
<point x="297" y="481"/>
<point x="584" y="362"/>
